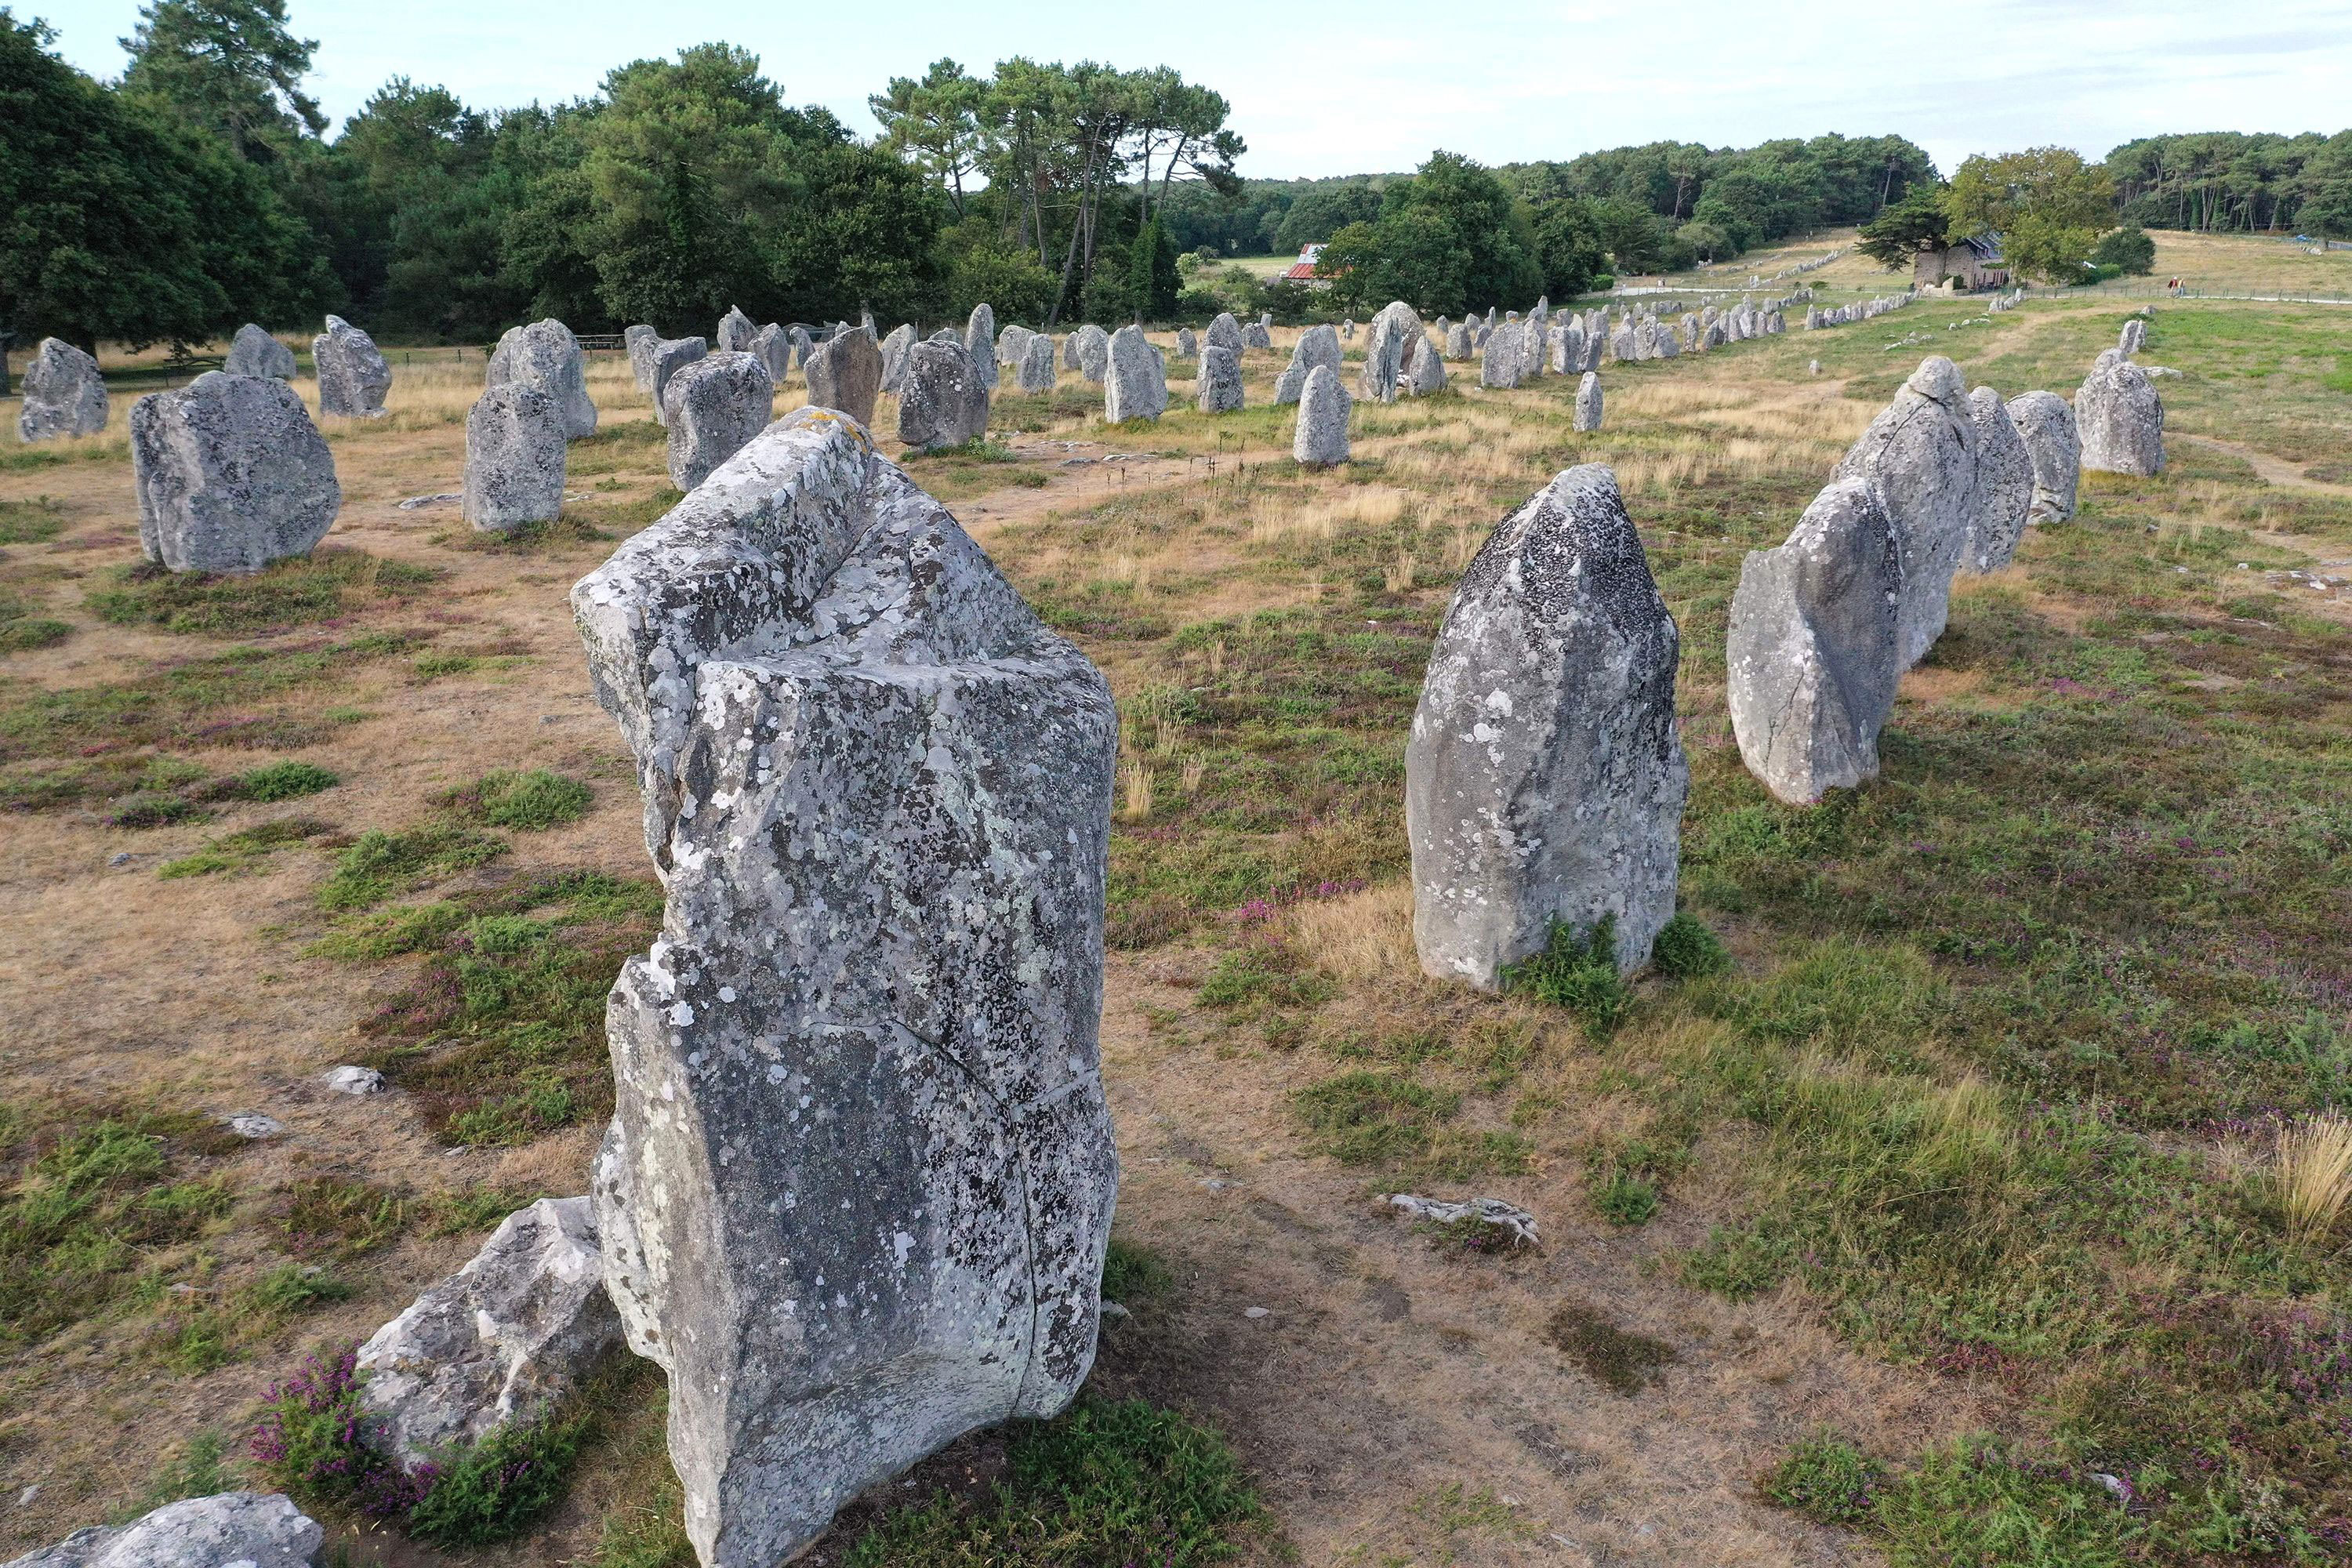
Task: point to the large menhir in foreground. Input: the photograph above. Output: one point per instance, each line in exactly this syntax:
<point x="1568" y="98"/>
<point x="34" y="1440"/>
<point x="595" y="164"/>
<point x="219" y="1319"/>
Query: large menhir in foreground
<point x="859" y="1181"/>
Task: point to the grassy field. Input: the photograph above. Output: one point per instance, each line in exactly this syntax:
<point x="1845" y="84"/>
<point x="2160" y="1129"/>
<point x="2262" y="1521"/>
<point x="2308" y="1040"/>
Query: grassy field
<point x="1963" y="1201"/>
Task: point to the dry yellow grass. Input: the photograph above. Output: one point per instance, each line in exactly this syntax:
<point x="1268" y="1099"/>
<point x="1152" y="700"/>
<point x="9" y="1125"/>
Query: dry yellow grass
<point x="2312" y="1167"/>
<point x="1358" y="936"/>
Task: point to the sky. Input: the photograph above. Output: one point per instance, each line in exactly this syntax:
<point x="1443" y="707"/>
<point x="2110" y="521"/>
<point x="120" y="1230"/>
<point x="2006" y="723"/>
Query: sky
<point x="1376" y="85"/>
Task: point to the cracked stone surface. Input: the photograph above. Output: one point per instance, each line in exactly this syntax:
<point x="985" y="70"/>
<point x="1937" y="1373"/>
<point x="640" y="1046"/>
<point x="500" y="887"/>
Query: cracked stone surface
<point x="230" y="474"/>
<point x="353" y="378"/>
<point x="860" y="1175"/>
<point x="1922" y="450"/>
<point x="1544" y="775"/>
<point x="2046" y="423"/>
<point x="227" y="1530"/>
<point x="546" y="355"/>
<point x="2120" y="418"/>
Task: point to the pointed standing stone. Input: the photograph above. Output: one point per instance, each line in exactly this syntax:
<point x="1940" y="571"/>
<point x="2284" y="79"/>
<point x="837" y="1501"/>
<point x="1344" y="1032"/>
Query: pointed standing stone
<point x="1315" y="345"/>
<point x="1814" y="654"/>
<point x="1320" y="439"/>
<point x="255" y="353"/>
<point x="1587" y="418"/>
<point x="773" y="349"/>
<point x="2047" y="427"/>
<point x="980" y="343"/>
<point x="1224" y="332"/>
<point x="64" y="393"/>
<point x="354" y="378"/>
<point x="735" y="332"/>
<point x="546" y="355"/>
<point x="1394" y="338"/>
<point x="2004" y="484"/>
<point x="2120" y="417"/>
<point x="1922" y="450"/>
<point x="894" y="356"/>
<point x="1544" y="777"/>
<point x="1135" y="383"/>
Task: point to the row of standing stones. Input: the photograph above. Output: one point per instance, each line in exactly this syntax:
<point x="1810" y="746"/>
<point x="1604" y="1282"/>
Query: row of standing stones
<point x="857" y="1191"/>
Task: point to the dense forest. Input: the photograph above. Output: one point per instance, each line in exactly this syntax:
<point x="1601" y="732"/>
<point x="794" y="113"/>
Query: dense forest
<point x="203" y="189"/>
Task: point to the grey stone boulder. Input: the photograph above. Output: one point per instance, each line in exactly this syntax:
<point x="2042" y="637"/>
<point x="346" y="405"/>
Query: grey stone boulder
<point x="1317" y="345"/>
<point x="255" y="353"/>
<point x="669" y="356"/>
<point x="712" y="407"/>
<point x="514" y="458"/>
<point x="2046" y="424"/>
<point x="942" y="401"/>
<point x="1393" y="342"/>
<point x="1504" y="362"/>
<point x="503" y="1340"/>
<point x="773" y="347"/>
<point x="1224" y="332"/>
<point x="1320" y="439"/>
<point x="861" y="1172"/>
<point x="63" y="394"/>
<point x="546" y="355"/>
<point x="844" y="373"/>
<point x="1135" y="383"/>
<point x="1588" y="409"/>
<point x="1458" y="340"/>
<point x="894" y="356"/>
<point x="227" y="1530"/>
<point x="1090" y="352"/>
<point x="1428" y="372"/>
<point x="2120" y="418"/>
<point x="735" y="332"/>
<point x="230" y="475"/>
<point x="1544" y="773"/>
<point x="1922" y="450"/>
<point x="1037" y="373"/>
<point x="2132" y="337"/>
<point x="1257" y="336"/>
<point x="1813" y="657"/>
<point x="353" y="378"/>
<point x="803" y="345"/>
<point x="2004" y="485"/>
<point x="1217" y="389"/>
<point x="980" y="343"/>
<point x="1187" y="345"/>
<point x="641" y="340"/>
<point x="1012" y="346"/>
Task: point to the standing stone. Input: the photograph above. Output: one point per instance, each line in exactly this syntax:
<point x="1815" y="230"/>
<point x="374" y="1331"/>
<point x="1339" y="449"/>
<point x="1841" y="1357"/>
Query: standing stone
<point x="714" y="406"/>
<point x="546" y="355"/>
<point x="942" y="401"/>
<point x="894" y="356"/>
<point x="802" y="346"/>
<point x="64" y="393"/>
<point x="1814" y="654"/>
<point x="1391" y="342"/>
<point x="845" y="372"/>
<point x="354" y="378"/>
<point x="1224" y="332"/>
<point x="1625" y="345"/>
<point x="1187" y="345"/>
<point x="227" y="1530"/>
<point x="255" y="353"/>
<point x="1315" y="345"/>
<point x="1013" y="347"/>
<point x="2118" y="414"/>
<point x="1218" y="387"/>
<point x="1544" y="776"/>
<point x="860" y="1176"/>
<point x="735" y="332"/>
<point x="1037" y="365"/>
<point x="230" y="475"/>
<point x="502" y="1340"/>
<point x="1321" y="438"/>
<point x="1135" y="385"/>
<point x="948" y="335"/>
<point x="2004" y="484"/>
<point x="1506" y="361"/>
<point x="1922" y="450"/>
<point x="1428" y="373"/>
<point x="1348" y="329"/>
<point x="1090" y="346"/>
<point x="514" y="458"/>
<point x="2047" y="427"/>
<point x="642" y="340"/>
<point x="669" y="356"/>
<point x="1257" y="335"/>
<point x="773" y="349"/>
<point x="1587" y="403"/>
<point x="980" y="343"/>
<point x="2134" y="336"/>
<point x="1458" y="340"/>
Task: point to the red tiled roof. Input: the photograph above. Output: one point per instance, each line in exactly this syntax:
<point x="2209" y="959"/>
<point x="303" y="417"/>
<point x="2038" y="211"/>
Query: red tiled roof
<point x="1299" y="272"/>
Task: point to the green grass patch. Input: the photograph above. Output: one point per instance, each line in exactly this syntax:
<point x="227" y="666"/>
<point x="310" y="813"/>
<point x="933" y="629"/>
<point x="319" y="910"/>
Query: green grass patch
<point x="33" y="521"/>
<point x="236" y="853"/>
<point x="381" y="864"/>
<point x="331" y="581"/>
<point x="1371" y="1118"/>
<point x="1619" y="1361"/>
<point x="527" y="802"/>
<point x="1577" y="971"/>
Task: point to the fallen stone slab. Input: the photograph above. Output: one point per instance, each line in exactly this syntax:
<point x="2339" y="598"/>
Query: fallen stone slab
<point x="227" y="1530"/>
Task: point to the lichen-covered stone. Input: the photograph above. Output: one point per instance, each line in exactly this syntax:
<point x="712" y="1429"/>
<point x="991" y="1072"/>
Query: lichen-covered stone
<point x="861" y="1172"/>
<point x="845" y="372"/>
<point x="1217" y="389"/>
<point x="894" y="356"/>
<point x="1135" y="379"/>
<point x="1504" y="363"/>
<point x="641" y="340"/>
<point x="1458" y="340"/>
<point x="1814" y="654"/>
<point x="1544" y="775"/>
<point x="2120" y="418"/>
<point x="941" y="400"/>
<point x="1038" y="372"/>
<point x="227" y="1530"/>
<point x="1394" y="339"/>
<point x="254" y="352"/>
<point x="670" y="355"/>
<point x="1224" y="332"/>
<point x="230" y="474"/>
<point x="773" y="347"/>
<point x="735" y="332"/>
<point x="1428" y="372"/>
<point x="1013" y="347"/>
<point x="63" y="394"/>
<point x="1187" y="345"/>
<point x="2132" y="337"/>
<point x="503" y="1340"/>
<point x="1922" y="450"/>
<point x="1315" y="345"/>
<point x="353" y="378"/>
<point x="514" y="458"/>
<point x="2004" y="485"/>
<point x="1089" y="353"/>
<point x="1257" y="335"/>
<point x="980" y="343"/>
<point x="713" y="407"/>
<point x="2046" y="424"/>
<point x="1588" y="409"/>
<point x="1319" y="440"/>
<point x="546" y="355"/>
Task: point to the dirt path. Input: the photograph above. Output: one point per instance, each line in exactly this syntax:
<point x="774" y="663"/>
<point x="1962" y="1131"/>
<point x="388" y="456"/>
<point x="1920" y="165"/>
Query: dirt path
<point x="2272" y="470"/>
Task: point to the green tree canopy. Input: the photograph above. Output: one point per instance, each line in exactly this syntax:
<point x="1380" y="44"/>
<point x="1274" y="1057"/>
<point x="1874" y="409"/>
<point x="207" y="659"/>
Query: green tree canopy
<point x="2048" y="205"/>
<point x="227" y="67"/>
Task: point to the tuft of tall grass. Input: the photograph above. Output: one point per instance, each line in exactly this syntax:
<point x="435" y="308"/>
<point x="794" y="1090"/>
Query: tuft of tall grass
<point x="2312" y="1171"/>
